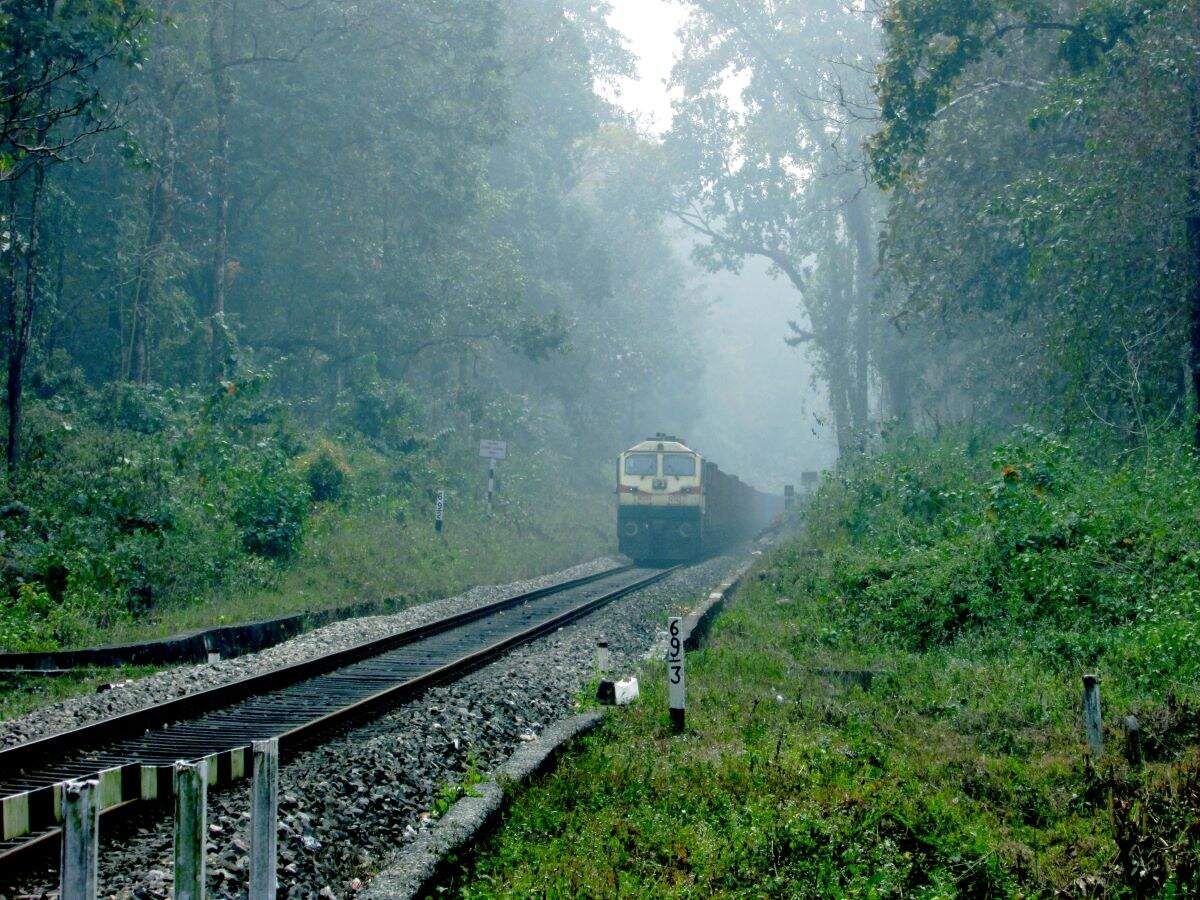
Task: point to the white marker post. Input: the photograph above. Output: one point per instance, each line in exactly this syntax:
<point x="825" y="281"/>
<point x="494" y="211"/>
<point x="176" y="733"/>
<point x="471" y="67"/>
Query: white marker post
<point x="80" y="840"/>
<point x="439" y="509"/>
<point x="492" y="451"/>
<point x="191" y="828"/>
<point x="264" y="819"/>
<point x="676" y="693"/>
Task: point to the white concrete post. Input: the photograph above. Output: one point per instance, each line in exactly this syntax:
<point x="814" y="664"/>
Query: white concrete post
<point x="80" y="840"/>
<point x="676" y="692"/>
<point x="264" y="819"/>
<point x="1092" y="723"/>
<point x="191" y="828"/>
<point x="602" y="659"/>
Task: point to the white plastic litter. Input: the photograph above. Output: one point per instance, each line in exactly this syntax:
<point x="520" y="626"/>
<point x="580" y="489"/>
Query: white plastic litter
<point x="627" y="691"/>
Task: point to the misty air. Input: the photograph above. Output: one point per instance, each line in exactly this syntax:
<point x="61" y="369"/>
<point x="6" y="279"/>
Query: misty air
<point x="599" y="448"/>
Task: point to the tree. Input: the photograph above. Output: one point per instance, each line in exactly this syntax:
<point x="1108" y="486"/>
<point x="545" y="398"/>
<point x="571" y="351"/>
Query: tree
<point x="1048" y="153"/>
<point x="780" y="174"/>
<point x="51" y="55"/>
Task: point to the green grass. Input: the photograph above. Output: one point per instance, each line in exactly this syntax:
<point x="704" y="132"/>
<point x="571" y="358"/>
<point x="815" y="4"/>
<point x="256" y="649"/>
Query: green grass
<point x="367" y="555"/>
<point x="20" y="694"/>
<point x="977" y="597"/>
<point x="352" y="556"/>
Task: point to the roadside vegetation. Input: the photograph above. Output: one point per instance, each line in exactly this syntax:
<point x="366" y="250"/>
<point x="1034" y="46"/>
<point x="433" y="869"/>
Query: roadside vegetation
<point x="141" y="513"/>
<point x="891" y="704"/>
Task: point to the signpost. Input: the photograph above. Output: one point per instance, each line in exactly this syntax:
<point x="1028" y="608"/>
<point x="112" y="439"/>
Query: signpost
<point x="439" y="507"/>
<point x="492" y="451"/>
<point x="808" y="480"/>
<point x="675" y="677"/>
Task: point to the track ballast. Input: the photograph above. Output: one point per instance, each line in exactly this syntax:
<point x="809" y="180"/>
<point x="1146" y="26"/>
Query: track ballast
<point x="133" y="753"/>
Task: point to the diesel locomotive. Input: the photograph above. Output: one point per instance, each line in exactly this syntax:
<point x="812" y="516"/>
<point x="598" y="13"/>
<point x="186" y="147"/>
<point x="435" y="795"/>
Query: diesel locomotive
<point x="674" y="505"/>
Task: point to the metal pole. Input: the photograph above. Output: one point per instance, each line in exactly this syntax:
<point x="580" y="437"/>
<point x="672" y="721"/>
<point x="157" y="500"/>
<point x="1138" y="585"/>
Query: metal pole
<point x="191" y="828"/>
<point x="80" y="840"/>
<point x="491" y="483"/>
<point x="264" y="819"/>
<point x="1092" y="723"/>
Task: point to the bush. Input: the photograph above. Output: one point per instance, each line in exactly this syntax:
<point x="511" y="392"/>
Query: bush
<point x="326" y="477"/>
<point x="1086" y="562"/>
<point x="270" y="507"/>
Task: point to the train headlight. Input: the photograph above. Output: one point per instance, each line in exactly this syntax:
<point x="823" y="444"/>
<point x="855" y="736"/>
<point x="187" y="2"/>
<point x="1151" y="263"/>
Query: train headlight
<point x="631" y="529"/>
<point x="685" y="529"/>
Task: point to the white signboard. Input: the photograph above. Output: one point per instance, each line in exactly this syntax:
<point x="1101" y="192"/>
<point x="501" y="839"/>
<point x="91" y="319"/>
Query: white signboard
<point x="493" y="449"/>
<point x="675" y="685"/>
<point x="439" y="506"/>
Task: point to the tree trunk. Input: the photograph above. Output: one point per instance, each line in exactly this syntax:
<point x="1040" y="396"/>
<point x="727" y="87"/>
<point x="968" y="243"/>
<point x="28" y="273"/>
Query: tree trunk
<point x="831" y="341"/>
<point x="858" y="224"/>
<point x="1193" y="244"/>
<point x="20" y="321"/>
<point x="219" y="36"/>
<point x="148" y="280"/>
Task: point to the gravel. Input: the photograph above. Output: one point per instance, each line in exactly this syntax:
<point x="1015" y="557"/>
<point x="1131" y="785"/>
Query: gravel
<point x="176" y="682"/>
<point x="348" y="805"/>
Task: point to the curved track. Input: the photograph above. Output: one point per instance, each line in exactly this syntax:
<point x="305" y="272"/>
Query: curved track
<point x="133" y="754"/>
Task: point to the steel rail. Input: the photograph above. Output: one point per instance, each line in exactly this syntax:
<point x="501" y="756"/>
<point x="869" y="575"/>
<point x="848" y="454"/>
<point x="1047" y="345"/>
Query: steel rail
<point x="353" y="665"/>
<point x="18" y="757"/>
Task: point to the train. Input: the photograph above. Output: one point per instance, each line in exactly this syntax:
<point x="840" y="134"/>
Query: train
<point x="674" y="505"/>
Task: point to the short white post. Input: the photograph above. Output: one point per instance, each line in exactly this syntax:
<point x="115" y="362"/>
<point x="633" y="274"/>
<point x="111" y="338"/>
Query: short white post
<point x="80" y="840"/>
<point x="676" y="692"/>
<point x="191" y="828"/>
<point x="602" y="656"/>
<point x="491" y="483"/>
<point x="1092" y="723"/>
<point x="264" y="819"/>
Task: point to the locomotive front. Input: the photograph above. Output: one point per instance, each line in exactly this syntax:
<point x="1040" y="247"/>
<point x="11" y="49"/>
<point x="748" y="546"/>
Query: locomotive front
<point x="660" y="503"/>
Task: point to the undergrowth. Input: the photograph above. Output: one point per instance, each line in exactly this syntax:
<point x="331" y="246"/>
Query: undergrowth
<point x="890" y="705"/>
<point x="139" y="512"/>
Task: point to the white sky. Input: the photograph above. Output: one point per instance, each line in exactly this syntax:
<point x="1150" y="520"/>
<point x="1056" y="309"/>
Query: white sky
<point x="649" y="26"/>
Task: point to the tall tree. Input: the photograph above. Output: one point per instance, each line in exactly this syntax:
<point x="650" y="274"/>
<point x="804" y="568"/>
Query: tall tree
<point x="51" y="53"/>
<point x="777" y="171"/>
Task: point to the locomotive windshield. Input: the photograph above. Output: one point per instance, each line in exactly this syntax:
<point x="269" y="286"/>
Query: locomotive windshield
<point x="641" y="464"/>
<point x="680" y="464"/>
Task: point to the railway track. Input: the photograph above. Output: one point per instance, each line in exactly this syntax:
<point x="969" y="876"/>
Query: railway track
<point x="132" y="754"/>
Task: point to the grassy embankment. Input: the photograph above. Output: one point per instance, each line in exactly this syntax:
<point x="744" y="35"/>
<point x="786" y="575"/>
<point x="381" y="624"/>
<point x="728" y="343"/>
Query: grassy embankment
<point x="349" y="557"/>
<point x="978" y="586"/>
<point x="181" y="511"/>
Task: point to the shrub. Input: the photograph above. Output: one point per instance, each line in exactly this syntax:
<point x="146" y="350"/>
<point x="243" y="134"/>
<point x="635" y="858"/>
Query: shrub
<point x="270" y="506"/>
<point x="326" y="477"/>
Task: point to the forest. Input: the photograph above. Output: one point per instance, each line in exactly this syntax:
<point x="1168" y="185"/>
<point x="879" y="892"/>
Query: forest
<point x="271" y="270"/>
<point x="262" y="258"/>
<point x="270" y="264"/>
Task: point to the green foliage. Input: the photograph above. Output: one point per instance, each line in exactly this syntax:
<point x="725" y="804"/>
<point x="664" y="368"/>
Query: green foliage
<point x="453" y="791"/>
<point x="1090" y="563"/>
<point x="270" y="504"/>
<point x="890" y="704"/>
<point x="1045" y="151"/>
<point x="326" y="477"/>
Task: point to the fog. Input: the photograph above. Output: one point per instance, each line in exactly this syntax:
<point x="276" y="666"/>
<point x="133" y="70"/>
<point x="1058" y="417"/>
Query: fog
<point x="764" y="416"/>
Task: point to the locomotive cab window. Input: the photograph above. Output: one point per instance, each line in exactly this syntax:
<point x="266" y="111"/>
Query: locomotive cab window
<point x="641" y="464"/>
<point x="679" y="464"/>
